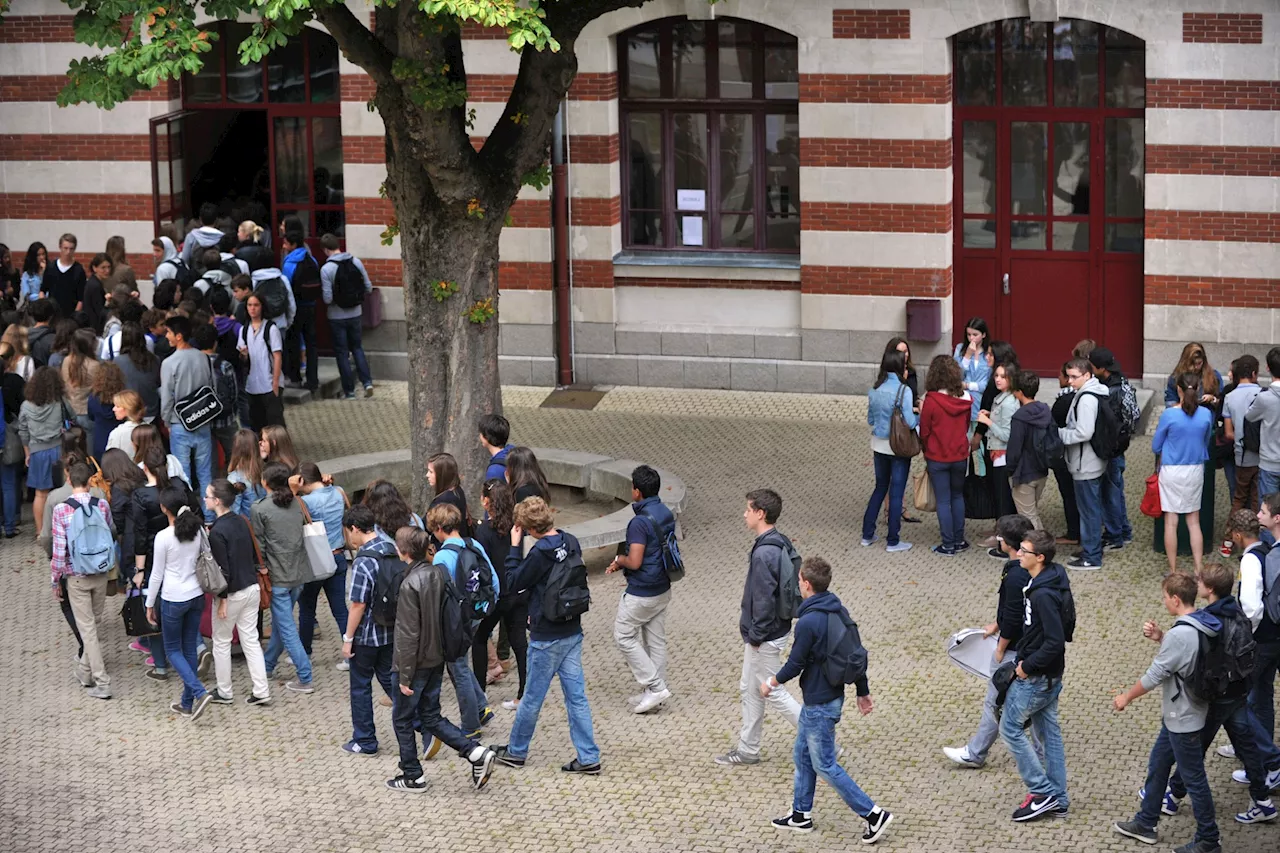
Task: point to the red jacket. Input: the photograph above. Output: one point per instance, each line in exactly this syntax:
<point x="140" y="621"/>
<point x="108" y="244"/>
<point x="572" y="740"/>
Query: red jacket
<point x="944" y="426"/>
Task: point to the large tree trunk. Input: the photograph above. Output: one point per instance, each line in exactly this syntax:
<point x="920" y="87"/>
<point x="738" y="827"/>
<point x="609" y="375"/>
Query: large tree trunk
<point x="453" y="362"/>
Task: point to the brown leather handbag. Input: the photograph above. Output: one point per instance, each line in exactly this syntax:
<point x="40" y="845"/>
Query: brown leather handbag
<point x="903" y="440"/>
<point x="264" y="575"/>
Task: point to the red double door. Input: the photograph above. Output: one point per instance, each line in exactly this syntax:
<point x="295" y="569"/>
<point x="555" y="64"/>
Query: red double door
<point x="1048" y="231"/>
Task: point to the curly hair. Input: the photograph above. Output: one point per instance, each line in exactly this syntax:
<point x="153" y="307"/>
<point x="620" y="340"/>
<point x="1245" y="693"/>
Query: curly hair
<point x="944" y="375"/>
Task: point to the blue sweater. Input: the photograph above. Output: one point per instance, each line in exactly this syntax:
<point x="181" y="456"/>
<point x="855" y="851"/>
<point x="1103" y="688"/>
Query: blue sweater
<point x="497" y="468"/>
<point x="880" y="406"/>
<point x="809" y="651"/>
<point x="1183" y="439"/>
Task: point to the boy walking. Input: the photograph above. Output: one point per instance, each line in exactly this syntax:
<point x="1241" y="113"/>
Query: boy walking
<point x="1183" y="717"/>
<point x="640" y="626"/>
<point x="815" y="752"/>
<point x="1087" y="470"/>
<point x="343" y="285"/>
<point x="82" y="555"/>
<point x="494" y="433"/>
<point x="183" y="373"/>
<point x="764" y="630"/>
<point x="365" y="642"/>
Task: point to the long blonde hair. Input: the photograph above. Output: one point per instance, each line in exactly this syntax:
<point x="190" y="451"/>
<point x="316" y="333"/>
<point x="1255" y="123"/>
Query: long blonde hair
<point x="252" y="228"/>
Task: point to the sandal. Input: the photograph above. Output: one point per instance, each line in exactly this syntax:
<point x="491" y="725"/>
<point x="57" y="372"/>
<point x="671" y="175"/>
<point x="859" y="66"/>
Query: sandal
<point x="910" y="519"/>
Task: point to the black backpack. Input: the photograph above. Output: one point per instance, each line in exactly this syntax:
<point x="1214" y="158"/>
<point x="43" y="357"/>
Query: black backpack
<point x="1108" y="439"/>
<point x="455" y="621"/>
<point x="1047" y="445"/>
<point x="183" y="274"/>
<point x="230" y="267"/>
<point x="348" y="285"/>
<point x="306" y="280"/>
<point x="1225" y="663"/>
<point x="565" y="595"/>
<point x="1068" y="616"/>
<point x="275" y="299"/>
<point x="846" y="660"/>
<point x="386" y="588"/>
<point x="267" y="325"/>
<point x="480" y="594"/>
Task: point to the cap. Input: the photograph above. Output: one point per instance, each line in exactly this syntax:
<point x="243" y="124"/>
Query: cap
<point x="1103" y="358"/>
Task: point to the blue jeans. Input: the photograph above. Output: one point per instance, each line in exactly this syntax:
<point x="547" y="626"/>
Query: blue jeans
<point x="1115" y="515"/>
<point x="1233" y="716"/>
<point x="368" y="663"/>
<point x="815" y="755"/>
<point x="1036" y="700"/>
<point x="423" y="707"/>
<point x="1089" y="500"/>
<point x="12" y="500"/>
<point x="471" y="698"/>
<point x="284" y="633"/>
<point x="180" y="627"/>
<point x="989" y="727"/>
<point x="891" y="479"/>
<point x="156" y="644"/>
<point x="182" y="442"/>
<point x="335" y="592"/>
<point x="562" y="657"/>
<point x="1268" y="482"/>
<point x="1183" y="748"/>
<point x="1229" y="471"/>
<point x="346" y="339"/>
<point x="948" y="488"/>
<point x="1263" y="695"/>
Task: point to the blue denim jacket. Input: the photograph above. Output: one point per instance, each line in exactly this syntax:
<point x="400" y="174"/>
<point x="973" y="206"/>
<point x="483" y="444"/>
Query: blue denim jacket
<point x="326" y="504"/>
<point x="880" y="406"/>
<point x="976" y="374"/>
<point x="253" y="492"/>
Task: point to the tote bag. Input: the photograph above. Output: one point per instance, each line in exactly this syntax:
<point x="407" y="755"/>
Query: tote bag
<point x="922" y="493"/>
<point x="208" y="572"/>
<point x="315" y="539"/>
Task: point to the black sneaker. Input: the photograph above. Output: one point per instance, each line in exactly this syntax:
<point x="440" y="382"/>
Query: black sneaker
<point x="1082" y="563"/>
<point x="482" y="767"/>
<point x="577" y="766"/>
<point x="1133" y="829"/>
<point x="156" y="675"/>
<point x="997" y="553"/>
<point x="404" y="783"/>
<point x="219" y="699"/>
<point x="1112" y="544"/>
<point x="796" y="822"/>
<point x="258" y="700"/>
<point x="505" y="758"/>
<point x="1035" y="807"/>
<point x="944" y="550"/>
<point x="877" y="823"/>
<point x="963" y="546"/>
<point x="177" y="708"/>
<point x="200" y="704"/>
<point x="485" y="716"/>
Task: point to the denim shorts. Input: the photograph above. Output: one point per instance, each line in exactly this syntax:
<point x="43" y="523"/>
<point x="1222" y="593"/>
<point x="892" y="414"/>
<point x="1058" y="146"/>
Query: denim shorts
<point x="40" y="469"/>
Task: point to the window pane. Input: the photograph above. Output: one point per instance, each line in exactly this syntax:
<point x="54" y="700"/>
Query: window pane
<point x="1071" y="236"/>
<point x="1126" y="70"/>
<point x="643" y="80"/>
<point x="303" y="215"/>
<point x="1070" y="169"/>
<point x="286" y="77"/>
<point x="330" y="222"/>
<point x="737" y="50"/>
<point x="1124" y="237"/>
<point x="782" y="70"/>
<point x="688" y="49"/>
<point x="244" y="82"/>
<point x="292" y="179"/>
<point x="1075" y="64"/>
<point x="326" y="160"/>
<point x="1027" y="164"/>
<point x="1124" y="166"/>
<point x="205" y="87"/>
<point x="322" y="52"/>
<point x="1026" y="46"/>
<point x="976" y="66"/>
<point x="690" y="141"/>
<point x="737" y="162"/>
<point x="979" y="178"/>
<point x="782" y="181"/>
<point x="1026" y="235"/>
<point x="980" y="233"/>
<point x="645" y="135"/>
<point x="737" y="231"/>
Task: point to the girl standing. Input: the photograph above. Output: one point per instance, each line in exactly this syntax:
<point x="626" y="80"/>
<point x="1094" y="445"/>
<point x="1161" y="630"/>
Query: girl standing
<point x="442" y="475"/>
<point x="944" y="438"/>
<point x="1182" y="443"/>
<point x="128" y="409"/>
<point x="889" y="394"/>
<point x="998" y="421"/>
<point x="33" y="266"/>
<point x="40" y="429"/>
<point x="277" y="523"/>
<point x="107" y="383"/>
<point x="231" y="542"/>
<point x="244" y="470"/>
<point x="79" y="369"/>
<point x="326" y="503"/>
<point x="144" y="520"/>
<point x="525" y="475"/>
<point x="14" y="386"/>
<point x="275" y="445"/>
<point x="972" y="357"/>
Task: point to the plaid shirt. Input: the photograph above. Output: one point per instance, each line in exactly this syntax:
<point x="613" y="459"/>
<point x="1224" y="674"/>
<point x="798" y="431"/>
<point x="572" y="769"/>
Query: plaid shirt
<point x="363" y="573"/>
<point x="61" y="563"/>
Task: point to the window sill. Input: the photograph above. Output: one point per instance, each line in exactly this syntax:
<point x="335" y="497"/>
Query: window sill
<point x="710" y="265"/>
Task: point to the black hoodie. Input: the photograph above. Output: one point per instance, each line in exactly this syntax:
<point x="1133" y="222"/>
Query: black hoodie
<point x="1042" y="650"/>
<point x="1020" y="456"/>
<point x="1012" y="608"/>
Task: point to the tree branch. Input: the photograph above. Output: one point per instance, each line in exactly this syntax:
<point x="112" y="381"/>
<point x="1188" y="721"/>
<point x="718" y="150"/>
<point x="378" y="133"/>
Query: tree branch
<point x="357" y="42"/>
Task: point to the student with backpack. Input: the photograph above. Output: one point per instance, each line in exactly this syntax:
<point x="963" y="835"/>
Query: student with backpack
<point x="343" y="285"/>
<point x="217" y="273"/>
<point x="83" y="553"/>
<point x="303" y="274"/>
<point x="1089" y="407"/>
<point x="278" y="303"/>
<point x="494" y="434"/>
<point x="1032" y="699"/>
<point x="260" y="344"/>
<point x="473" y="575"/>
<point x="169" y="266"/>
<point x="1182" y="444"/>
<point x="639" y="629"/>
<point x="512" y="612"/>
<point x="376" y="575"/>
<point x="1244" y="436"/>
<point x="1034" y="446"/>
<point x="430" y="629"/>
<point x="232" y="545"/>
<point x="200" y="240"/>
<point x="827" y="655"/>
<point x="1117" y="532"/>
<point x="1010" y="531"/>
<point x="556" y="578"/>
<point x="770" y="599"/>
<point x="1260" y="599"/>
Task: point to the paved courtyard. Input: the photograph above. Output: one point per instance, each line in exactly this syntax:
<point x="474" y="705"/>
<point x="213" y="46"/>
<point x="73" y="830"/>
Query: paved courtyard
<point x="126" y="775"/>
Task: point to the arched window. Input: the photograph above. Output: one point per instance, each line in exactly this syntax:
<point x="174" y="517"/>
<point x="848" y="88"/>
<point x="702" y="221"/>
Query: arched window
<point x="710" y="136"/>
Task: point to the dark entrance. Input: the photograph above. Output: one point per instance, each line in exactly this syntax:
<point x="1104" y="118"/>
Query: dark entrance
<point x="1048" y="187"/>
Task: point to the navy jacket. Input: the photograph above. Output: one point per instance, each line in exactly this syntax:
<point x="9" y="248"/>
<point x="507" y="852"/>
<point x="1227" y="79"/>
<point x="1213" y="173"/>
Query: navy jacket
<point x="497" y="468"/>
<point x="651" y="578"/>
<point x="809" y="651"/>
<point x="531" y="573"/>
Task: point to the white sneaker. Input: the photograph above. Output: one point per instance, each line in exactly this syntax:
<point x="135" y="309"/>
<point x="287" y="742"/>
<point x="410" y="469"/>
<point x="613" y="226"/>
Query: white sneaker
<point x="635" y="699"/>
<point x="1272" y="781"/>
<point x="511" y="704"/>
<point x="901" y="546"/>
<point x="960" y="755"/>
<point x="1227" y="751"/>
<point x="651" y="701"/>
<point x="343" y="665"/>
<point x="874" y="539"/>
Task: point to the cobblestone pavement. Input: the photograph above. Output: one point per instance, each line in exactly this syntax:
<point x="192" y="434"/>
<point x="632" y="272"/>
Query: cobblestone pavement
<point x="125" y="775"/>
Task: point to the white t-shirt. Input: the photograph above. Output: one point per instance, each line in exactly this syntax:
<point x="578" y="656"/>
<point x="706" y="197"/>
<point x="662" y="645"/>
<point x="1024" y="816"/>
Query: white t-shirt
<point x="260" y="349"/>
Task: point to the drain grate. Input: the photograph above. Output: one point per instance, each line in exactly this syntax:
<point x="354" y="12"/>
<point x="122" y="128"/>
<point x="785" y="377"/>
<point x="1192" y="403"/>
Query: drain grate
<point x="583" y="399"/>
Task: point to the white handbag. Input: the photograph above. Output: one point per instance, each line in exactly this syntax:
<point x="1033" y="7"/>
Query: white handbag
<point x="315" y="541"/>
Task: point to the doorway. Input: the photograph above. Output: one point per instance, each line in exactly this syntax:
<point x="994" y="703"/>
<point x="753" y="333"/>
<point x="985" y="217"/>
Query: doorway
<point x="1048" y="171"/>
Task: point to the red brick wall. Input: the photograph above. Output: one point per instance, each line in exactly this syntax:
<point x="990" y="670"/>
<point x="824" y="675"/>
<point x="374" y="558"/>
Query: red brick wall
<point x="871" y="23"/>
<point x="876" y="153"/>
<point x="1213" y="160"/>
<point x="364" y="149"/>
<point x="1223" y="292"/>
<point x="1221" y="28"/>
<point x="902" y="218"/>
<point x="594" y="211"/>
<point x="1214" y="94"/>
<point x="76" y="206"/>
<point x="593" y="149"/>
<point x="36" y="29"/>
<point x="876" y="281"/>
<point x="1214" y="226"/>
<point x="45" y="87"/>
<point x="594" y="86"/>
<point x="876" y="88"/>
<point x="66" y="147"/>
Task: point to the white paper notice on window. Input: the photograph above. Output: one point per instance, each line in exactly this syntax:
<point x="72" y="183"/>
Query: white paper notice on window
<point x="691" y="200"/>
<point x="691" y="231"/>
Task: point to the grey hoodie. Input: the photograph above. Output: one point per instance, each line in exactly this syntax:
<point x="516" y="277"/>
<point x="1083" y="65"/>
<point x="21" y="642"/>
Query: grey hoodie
<point x="40" y="427"/>
<point x="165" y="269"/>
<point x="1266" y="408"/>
<point x="204" y="237"/>
<point x="328" y="277"/>
<point x="1183" y="710"/>
<point x="1082" y="417"/>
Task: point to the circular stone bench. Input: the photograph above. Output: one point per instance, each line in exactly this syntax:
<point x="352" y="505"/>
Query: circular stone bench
<point x="587" y="473"/>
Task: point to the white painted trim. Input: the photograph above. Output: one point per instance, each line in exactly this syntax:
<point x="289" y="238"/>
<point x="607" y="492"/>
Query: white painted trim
<point x="48" y="117"/>
<point x="875" y="186"/>
<point x="92" y="234"/>
<point x="76" y="177"/>
<point x="876" y="56"/>
<point x="365" y="241"/>
<point x="1210" y="324"/>
<point x="657" y="309"/>
<point x="595" y="242"/>
<point x="594" y="180"/>
<point x="594" y="304"/>
<point x="489" y="56"/>
<point x="1212" y="127"/>
<point x="529" y="245"/>
<point x="42" y="59"/>
<point x="875" y="121"/>
<point x="875" y="249"/>
<point x="1176" y="60"/>
<point x="592" y="118"/>
<point x="526" y="307"/>
<point x="624" y="271"/>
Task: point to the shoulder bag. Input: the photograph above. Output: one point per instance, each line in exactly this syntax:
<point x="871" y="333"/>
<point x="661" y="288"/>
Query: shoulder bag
<point x="903" y="440"/>
<point x="315" y="540"/>
<point x="264" y="575"/>
<point x="208" y="572"/>
<point x="201" y="407"/>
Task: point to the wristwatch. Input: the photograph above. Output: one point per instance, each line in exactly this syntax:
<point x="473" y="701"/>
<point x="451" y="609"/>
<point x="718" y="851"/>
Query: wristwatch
<point x="347" y="639"/>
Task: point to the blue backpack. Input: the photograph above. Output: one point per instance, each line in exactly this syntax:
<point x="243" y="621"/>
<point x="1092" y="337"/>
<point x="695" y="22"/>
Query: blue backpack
<point x="90" y="543"/>
<point x="668" y="549"/>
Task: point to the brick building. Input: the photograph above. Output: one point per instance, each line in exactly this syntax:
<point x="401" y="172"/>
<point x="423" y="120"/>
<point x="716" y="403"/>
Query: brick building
<point x="758" y="189"/>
